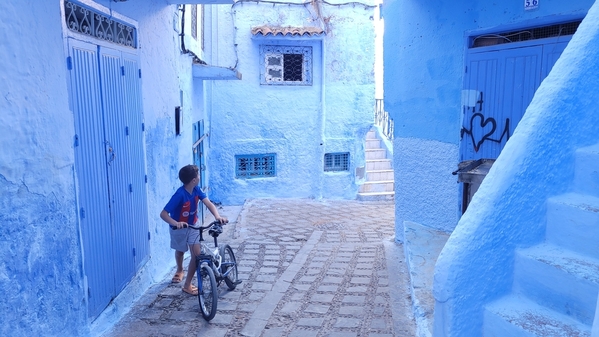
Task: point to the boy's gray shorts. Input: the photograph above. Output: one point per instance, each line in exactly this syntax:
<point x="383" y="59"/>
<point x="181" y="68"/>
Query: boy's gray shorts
<point x="182" y="238"/>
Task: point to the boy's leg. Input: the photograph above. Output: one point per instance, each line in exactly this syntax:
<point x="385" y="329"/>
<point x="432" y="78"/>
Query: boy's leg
<point x="178" y="277"/>
<point x="191" y="269"/>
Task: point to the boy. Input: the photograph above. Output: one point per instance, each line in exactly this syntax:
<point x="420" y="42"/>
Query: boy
<point x="181" y="211"/>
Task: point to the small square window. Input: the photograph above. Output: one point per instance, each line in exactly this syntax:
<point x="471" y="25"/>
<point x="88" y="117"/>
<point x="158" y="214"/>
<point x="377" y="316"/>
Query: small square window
<point x="255" y="165"/>
<point x="286" y="65"/>
<point x="336" y="161"/>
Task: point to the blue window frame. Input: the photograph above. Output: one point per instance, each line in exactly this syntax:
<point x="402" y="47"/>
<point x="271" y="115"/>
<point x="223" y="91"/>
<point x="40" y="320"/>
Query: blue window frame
<point x="285" y="65"/>
<point x="255" y="165"/>
<point x="336" y="161"/>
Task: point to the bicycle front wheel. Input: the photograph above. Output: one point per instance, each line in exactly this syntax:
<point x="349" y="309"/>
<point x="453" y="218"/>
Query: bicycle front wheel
<point x="229" y="264"/>
<point x="207" y="291"/>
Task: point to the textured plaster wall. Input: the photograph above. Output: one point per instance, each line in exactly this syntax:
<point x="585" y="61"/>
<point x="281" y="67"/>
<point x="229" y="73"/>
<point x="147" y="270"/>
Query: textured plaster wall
<point x="41" y="276"/>
<point x="298" y="123"/>
<point x="424" y="48"/>
<point x="39" y="238"/>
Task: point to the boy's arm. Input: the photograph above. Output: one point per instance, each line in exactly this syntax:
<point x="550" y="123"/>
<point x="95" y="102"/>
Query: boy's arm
<point x="167" y="218"/>
<point x="214" y="211"/>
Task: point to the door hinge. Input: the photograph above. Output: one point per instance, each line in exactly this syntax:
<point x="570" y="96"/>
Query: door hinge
<point x="82" y="213"/>
<point x="148" y="236"/>
<point x="133" y="251"/>
<point x="126" y="131"/>
<point x="89" y="292"/>
<point x="76" y="142"/>
<point x="146" y="178"/>
<point x="466" y="70"/>
<point x="130" y="188"/>
<point x="69" y="63"/>
<point x="122" y="70"/>
<point x="139" y="73"/>
<point x="143" y="127"/>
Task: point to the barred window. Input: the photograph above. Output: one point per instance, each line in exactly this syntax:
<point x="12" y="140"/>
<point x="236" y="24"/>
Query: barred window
<point x="336" y="161"/>
<point x="255" y="165"/>
<point x="84" y="20"/>
<point x="286" y="65"/>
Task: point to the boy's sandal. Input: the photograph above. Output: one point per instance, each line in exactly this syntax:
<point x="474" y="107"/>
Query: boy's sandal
<point x="178" y="277"/>
<point x="193" y="290"/>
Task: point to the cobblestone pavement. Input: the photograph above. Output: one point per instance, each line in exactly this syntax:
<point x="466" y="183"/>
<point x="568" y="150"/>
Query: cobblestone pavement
<point x="309" y="268"/>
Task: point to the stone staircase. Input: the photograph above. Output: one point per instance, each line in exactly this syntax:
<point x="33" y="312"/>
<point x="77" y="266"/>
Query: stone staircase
<point x="379" y="184"/>
<point x="556" y="283"/>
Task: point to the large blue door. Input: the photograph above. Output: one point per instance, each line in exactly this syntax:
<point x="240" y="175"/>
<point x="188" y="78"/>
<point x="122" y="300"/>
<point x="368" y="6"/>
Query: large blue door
<point x="105" y="90"/>
<point x="499" y="84"/>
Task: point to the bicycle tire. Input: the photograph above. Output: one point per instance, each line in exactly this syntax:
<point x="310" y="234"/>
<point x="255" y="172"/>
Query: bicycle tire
<point x="207" y="292"/>
<point x="228" y="263"/>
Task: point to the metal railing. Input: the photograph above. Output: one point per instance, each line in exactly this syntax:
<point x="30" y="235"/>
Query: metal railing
<point x="382" y="119"/>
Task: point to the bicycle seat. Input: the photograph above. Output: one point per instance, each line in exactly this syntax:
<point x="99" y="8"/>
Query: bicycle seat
<point x="216" y="230"/>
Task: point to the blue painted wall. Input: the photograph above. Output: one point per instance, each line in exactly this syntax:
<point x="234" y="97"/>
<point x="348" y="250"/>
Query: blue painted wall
<point x="41" y="249"/>
<point x="298" y="123"/>
<point x="424" y="48"/>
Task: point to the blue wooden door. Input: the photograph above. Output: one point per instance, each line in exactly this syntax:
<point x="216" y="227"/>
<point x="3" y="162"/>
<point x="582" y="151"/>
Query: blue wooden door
<point x="199" y="159"/>
<point x="498" y="87"/>
<point x="105" y="91"/>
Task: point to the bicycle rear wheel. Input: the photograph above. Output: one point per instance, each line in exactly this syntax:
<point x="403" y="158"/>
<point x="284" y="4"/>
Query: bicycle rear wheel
<point x="207" y="291"/>
<point x="228" y="264"/>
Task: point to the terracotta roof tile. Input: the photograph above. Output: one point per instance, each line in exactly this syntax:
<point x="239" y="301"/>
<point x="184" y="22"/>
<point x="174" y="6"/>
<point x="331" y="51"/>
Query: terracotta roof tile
<point x="287" y="31"/>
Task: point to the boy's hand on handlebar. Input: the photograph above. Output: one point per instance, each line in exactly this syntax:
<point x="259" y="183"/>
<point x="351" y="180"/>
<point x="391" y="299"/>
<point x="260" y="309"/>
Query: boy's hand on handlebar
<point x="179" y="225"/>
<point x="222" y="220"/>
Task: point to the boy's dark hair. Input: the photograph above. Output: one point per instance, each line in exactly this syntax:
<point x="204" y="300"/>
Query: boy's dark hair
<point x="187" y="173"/>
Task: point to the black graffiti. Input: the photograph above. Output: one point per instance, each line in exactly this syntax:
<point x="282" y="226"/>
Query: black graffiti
<point x="477" y="143"/>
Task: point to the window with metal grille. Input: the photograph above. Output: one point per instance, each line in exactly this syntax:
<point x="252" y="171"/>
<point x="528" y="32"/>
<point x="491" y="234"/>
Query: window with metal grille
<point x="562" y="29"/>
<point x="194" y="21"/>
<point x="286" y="65"/>
<point x="91" y="22"/>
<point x="255" y="165"/>
<point x="336" y="161"/>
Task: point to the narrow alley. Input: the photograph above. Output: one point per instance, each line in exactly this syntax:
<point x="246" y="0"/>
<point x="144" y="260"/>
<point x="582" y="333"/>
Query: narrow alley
<point x="309" y="268"/>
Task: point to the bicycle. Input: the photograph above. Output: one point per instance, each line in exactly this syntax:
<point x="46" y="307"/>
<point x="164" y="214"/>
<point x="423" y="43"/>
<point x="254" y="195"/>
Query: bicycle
<point x="213" y="267"/>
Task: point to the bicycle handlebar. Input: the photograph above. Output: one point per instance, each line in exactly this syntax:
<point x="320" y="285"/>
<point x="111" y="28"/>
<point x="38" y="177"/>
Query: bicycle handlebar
<point x="202" y="228"/>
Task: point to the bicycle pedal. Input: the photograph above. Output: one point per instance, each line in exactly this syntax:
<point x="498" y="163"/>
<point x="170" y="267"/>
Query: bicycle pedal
<point x="238" y="282"/>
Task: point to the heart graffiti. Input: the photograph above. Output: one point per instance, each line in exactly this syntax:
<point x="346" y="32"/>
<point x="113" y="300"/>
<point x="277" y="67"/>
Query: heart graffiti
<point x="479" y="135"/>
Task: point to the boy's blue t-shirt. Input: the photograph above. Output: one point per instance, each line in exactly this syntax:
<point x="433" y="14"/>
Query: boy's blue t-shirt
<point x="183" y="206"/>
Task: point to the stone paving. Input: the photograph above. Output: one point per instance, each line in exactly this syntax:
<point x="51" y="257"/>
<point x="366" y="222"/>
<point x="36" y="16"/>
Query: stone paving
<point x="309" y="269"/>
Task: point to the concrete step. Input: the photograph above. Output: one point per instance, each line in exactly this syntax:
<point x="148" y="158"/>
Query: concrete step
<point x="558" y="279"/>
<point x="373" y="143"/>
<point x="379" y="175"/>
<point x="377" y="187"/>
<point x="518" y="316"/>
<point x="375" y="154"/>
<point x="371" y="135"/>
<point x="573" y="222"/>
<point x="376" y="196"/>
<point x="378" y="164"/>
<point x="586" y="174"/>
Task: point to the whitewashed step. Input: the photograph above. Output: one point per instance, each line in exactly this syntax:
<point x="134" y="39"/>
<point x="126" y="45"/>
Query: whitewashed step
<point x="378" y="164"/>
<point x="371" y="134"/>
<point x="586" y="174"/>
<point x="518" y="316"/>
<point x="379" y="175"/>
<point x="377" y="187"/>
<point x="373" y="143"/>
<point x="375" y="154"/>
<point x="573" y="222"/>
<point x="559" y="279"/>
<point x="376" y="196"/>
